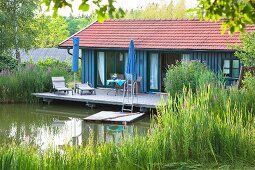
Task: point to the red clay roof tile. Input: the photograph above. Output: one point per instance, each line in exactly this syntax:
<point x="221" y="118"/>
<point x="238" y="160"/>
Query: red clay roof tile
<point x="156" y="34"/>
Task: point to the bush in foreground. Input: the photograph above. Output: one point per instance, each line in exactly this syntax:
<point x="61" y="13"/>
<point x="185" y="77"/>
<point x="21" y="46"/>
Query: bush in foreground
<point x="191" y="74"/>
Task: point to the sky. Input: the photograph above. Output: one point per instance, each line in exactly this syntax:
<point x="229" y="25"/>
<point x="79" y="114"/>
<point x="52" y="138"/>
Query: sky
<point x="124" y="4"/>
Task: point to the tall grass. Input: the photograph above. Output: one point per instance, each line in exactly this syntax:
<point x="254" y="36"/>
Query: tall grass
<point x="190" y="131"/>
<point x="31" y="78"/>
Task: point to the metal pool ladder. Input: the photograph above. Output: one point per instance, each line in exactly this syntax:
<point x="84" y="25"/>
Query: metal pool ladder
<point x="126" y="105"/>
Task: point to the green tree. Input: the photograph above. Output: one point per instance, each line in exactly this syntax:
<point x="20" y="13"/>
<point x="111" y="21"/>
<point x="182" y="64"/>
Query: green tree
<point x="246" y="52"/>
<point x="237" y="13"/>
<point x="16" y="25"/>
<point x="103" y="11"/>
<point x="77" y="23"/>
<point x="51" y="31"/>
<point x="160" y="11"/>
<point x="180" y="9"/>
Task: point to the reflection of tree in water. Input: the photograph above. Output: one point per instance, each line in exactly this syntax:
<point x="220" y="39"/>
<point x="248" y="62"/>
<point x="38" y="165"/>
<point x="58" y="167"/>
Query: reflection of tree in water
<point x="20" y="123"/>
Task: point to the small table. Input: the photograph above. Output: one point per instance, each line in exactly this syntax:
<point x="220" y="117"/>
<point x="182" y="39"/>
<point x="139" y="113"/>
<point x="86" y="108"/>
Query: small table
<point x="117" y="83"/>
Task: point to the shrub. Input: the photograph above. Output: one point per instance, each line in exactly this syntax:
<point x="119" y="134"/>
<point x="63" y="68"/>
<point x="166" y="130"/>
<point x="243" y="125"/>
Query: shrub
<point x="7" y="63"/>
<point x="187" y="74"/>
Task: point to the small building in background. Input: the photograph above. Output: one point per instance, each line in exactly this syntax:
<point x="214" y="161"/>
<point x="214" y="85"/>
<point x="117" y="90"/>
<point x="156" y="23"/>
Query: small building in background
<point x="44" y="53"/>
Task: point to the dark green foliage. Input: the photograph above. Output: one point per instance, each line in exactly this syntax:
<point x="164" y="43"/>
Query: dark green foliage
<point x="31" y="78"/>
<point x="7" y="63"/>
<point x="76" y="24"/>
<point x="187" y="74"/>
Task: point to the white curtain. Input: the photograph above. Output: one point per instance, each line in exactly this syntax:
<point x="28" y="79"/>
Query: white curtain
<point x="100" y="67"/>
<point x="185" y="57"/>
<point x="125" y="59"/>
<point x="154" y="71"/>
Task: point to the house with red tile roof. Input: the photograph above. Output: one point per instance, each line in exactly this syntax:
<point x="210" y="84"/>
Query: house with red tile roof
<point x="158" y="43"/>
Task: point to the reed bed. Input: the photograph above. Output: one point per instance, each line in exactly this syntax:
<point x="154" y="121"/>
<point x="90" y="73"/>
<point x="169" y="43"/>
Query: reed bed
<point x="209" y="129"/>
<point x="31" y="78"/>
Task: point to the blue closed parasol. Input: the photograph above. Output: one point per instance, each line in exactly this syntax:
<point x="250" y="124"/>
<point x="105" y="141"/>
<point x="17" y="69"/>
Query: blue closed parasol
<point x="131" y="61"/>
<point x="75" y="61"/>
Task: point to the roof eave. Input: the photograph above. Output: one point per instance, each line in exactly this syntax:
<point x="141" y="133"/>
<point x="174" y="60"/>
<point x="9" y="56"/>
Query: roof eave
<point x="149" y="49"/>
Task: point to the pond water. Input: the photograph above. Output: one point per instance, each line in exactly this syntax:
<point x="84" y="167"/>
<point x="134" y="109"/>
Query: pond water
<point x="59" y="124"/>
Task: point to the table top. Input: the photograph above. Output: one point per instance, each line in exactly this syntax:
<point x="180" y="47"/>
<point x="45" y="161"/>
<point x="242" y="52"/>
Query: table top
<point x="120" y="82"/>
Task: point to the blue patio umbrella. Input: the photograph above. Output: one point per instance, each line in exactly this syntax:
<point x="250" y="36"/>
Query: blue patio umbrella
<point x="75" y="61"/>
<point x="131" y="61"/>
<point x="131" y="66"/>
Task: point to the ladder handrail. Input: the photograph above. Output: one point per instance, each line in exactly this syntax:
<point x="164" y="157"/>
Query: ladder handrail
<point x="127" y="96"/>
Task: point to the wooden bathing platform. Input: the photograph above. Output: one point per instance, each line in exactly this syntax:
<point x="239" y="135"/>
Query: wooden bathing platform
<point x="114" y="117"/>
<point x="141" y="100"/>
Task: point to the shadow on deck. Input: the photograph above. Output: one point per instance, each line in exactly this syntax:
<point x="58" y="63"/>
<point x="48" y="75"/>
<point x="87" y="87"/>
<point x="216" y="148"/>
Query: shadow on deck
<point x="141" y="100"/>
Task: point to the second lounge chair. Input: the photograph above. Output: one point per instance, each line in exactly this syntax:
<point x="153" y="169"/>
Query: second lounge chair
<point x="85" y="87"/>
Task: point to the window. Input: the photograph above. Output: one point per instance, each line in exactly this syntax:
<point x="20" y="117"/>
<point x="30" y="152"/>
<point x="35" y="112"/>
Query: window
<point x="226" y="68"/>
<point x="153" y="70"/>
<point x="108" y="63"/>
<point x="236" y="68"/>
<point x="185" y="57"/>
<point x="231" y="68"/>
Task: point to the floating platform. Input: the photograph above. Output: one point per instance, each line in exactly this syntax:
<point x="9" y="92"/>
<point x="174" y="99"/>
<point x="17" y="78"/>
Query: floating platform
<point x="114" y="117"/>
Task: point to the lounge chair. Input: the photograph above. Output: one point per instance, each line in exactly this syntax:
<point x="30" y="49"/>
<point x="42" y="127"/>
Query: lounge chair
<point x="58" y="85"/>
<point x="85" y="87"/>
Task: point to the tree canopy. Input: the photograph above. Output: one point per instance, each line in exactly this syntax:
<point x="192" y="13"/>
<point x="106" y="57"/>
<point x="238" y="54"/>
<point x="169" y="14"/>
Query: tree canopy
<point x="16" y="24"/>
<point x="51" y="31"/>
<point x="237" y="13"/>
<point x="160" y="11"/>
<point x="77" y="23"/>
<point x="246" y="52"/>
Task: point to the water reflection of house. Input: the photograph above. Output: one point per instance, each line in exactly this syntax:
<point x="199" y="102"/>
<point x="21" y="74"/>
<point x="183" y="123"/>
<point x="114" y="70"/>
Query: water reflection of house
<point x="111" y="132"/>
<point x="158" y="43"/>
<point x="78" y="132"/>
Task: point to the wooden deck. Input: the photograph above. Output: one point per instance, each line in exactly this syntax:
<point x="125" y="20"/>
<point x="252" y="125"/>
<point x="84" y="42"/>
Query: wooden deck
<point x="141" y="100"/>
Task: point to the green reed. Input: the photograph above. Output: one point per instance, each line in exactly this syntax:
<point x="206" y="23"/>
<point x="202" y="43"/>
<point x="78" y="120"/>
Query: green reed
<point x="28" y="79"/>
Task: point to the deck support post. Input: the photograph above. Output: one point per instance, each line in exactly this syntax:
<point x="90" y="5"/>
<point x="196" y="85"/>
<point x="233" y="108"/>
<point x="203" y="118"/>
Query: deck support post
<point x="91" y="105"/>
<point x="46" y="100"/>
<point x="143" y="109"/>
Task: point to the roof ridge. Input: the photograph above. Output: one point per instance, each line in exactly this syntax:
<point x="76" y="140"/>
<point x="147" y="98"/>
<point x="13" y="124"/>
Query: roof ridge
<point x="163" y="19"/>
